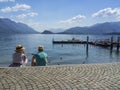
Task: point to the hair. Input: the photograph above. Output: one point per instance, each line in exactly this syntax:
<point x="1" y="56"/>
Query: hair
<point x="40" y="48"/>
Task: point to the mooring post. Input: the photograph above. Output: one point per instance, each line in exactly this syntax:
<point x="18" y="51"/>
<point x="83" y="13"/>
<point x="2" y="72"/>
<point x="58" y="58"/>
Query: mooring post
<point x="52" y="42"/>
<point x="53" y="39"/>
<point x="87" y="47"/>
<point x="118" y="40"/>
<point x="111" y="46"/>
<point x="87" y="43"/>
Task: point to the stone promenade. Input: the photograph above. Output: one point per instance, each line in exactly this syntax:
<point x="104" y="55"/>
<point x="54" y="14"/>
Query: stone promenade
<point x="64" y="77"/>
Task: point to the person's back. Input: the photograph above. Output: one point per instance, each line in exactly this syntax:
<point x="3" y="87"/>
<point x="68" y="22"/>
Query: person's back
<point x="39" y="59"/>
<point x="18" y="56"/>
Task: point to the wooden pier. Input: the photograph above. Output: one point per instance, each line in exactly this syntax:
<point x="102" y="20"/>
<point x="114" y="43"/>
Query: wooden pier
<point x="69" y="42"/>
<point x="102" y="43"/>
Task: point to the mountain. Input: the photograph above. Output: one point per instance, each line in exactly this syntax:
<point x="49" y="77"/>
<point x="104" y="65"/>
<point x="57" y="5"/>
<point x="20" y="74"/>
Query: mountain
<point x="56" y="30"/>
<point x="101" y="28"/>
<point x="8" y="26"/>
<point x="47" y="32"/>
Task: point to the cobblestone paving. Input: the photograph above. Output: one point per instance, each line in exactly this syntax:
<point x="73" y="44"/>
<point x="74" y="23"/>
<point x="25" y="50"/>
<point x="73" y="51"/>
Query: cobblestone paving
<point x="67" y="77"/>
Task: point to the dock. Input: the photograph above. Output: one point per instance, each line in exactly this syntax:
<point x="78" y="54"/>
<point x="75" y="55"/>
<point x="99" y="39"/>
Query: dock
<point x="102" y="43"/>
<point x="104" y="76"/>
<point x="69" y="42"/>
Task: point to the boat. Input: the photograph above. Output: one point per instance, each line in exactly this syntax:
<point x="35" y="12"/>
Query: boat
<point x="103" y="43"/>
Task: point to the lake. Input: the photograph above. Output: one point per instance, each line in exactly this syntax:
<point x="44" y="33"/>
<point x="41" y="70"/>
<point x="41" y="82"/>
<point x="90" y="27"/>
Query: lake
<point x="58" y="54"/>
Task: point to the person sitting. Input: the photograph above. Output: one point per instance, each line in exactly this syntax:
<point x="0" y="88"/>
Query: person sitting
<point x="19" y="56"/>
<point x="40" y="58"/>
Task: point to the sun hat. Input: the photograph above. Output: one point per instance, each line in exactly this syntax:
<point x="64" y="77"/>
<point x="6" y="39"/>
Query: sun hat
<point x="40" y="48"/>
<point x="19" y="48"/>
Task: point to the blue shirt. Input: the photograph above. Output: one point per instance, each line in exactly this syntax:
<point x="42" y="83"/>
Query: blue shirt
<point x="41" y="58"/>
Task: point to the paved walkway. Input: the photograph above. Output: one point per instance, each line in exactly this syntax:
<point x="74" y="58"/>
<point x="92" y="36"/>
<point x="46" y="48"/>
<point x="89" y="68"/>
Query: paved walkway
<point x="67" y="77"/>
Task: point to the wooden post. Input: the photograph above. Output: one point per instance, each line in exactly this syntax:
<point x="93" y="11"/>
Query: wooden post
<point x="87" y="43"/>
<point x="111" y="46"/>
<point x="53" y="39"/>
<point x="118" y="40"/>
<point x="52" y="42"/>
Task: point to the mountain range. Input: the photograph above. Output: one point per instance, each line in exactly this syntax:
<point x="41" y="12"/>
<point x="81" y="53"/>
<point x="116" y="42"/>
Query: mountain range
<point x="8" y="26"/>
<point x="101" y="28"/>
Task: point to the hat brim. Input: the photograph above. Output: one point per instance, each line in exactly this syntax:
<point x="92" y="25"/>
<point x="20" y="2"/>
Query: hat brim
<point x="20" y="49"/>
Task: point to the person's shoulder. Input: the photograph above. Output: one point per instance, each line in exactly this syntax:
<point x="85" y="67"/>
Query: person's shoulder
<point x="40" y="53"/>
<point x="35" y="54"/>
<point x="16" y="53"/>
<point x="45" y="53"/>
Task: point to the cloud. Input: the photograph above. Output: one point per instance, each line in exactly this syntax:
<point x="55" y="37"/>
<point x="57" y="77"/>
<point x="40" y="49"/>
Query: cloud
<point x="21" y="16"/>
<point x="16" y="8"/>
<point x="118" y="18"/>
<point x="75" y="19"/>
<point x="7" y="0"/>
<point x="107" y="12"/>
<point x="32" y="14"/>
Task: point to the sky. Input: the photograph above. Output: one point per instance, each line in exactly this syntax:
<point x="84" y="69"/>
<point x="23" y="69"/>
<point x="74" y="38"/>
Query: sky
<point x="60" y="14"/>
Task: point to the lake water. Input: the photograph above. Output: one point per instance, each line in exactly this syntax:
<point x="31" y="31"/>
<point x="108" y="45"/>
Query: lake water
<point x="57" y="54"/>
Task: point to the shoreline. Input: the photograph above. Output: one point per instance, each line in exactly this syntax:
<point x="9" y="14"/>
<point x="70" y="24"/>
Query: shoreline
<point x="57" y="64"/>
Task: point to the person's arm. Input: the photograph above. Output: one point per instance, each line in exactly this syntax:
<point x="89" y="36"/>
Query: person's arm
<point x="24" y="58"/>
<point x="33" y="61"/>
<point x="46" y="59"/>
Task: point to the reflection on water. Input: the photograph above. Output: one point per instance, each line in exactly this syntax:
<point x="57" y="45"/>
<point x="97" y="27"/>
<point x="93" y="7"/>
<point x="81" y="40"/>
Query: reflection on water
<point x="60" y="53"/>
